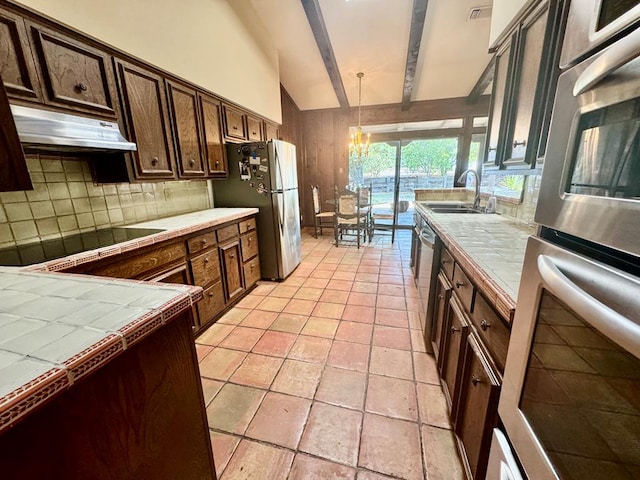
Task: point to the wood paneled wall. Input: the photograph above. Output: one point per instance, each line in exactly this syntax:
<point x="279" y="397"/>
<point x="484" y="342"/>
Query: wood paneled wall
<point x="322" y="137"/>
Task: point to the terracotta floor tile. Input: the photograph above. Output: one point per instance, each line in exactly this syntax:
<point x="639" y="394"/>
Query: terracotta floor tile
<point x="391" y="363"/>
<point x="294" y="281"/>
<point x="302" y="272"/>
<point x="352" y="356"/>
<point x="414" y="321"/>
<point x="367" y="277"/>
<point x="264" y="288"/>
<point x="354" y="332"/>
<point x="359" y="313"/>
<point x="210" y="388"/>
<point x="365" y="287"/>
<point x="289" y="322"/>
<point x="310" y="349"/>
<point x="328" y="310"/>
<point x="221" y="363"/>
<point x="392" y="279"/>
<point x="273" y="304"/>
<point x="321" y="327"/>
<point x="300" y="307"/>
<point x="344" y="388"/>
<point x="334" y="296"/>
<point x="426" y="368"/>
<point x="411" y="291"/>
<point x="383" y="438"/>
<point x="234" y="316"/>
<point x="389" y="301"/>
<point x="433" y="405"/>
<point x="250" y="301"/>
<point x="257" y="371"/>
<point x="392" y="318"/>
<point x="417" y="341"/>
<point x="332" y="433"/>
<point x="344" y="275"/>
<point x="202" y="351"/>
<point x="223" y="446"/>
<point x="233" y="408"/>
<point x="365" y="475"/>
<point x="215" y="334"/>
<point x="311" y="468"/>
<point x="364" y="299"/>
<point x="342" y="285"/>
<point x="391" y="337"/>
<point x="284" y="291"/>
<point x="276" y="344"/>
<point x="316" y="283"/>
<point x="365" y="268"/>
<point x="440" y="454"/>
<point x="298" y="378"/>
<point x="309" y="293"/>
<point x="259" y="319"/>
<point x="280" y="420"/>
<point x="393" y="290"/>
<point x="242" y="338"/>
<point x="392" y="397"/>
<point x="327" y="274"/>
<point x="389" y="270"/>
<point x="253" y="460"/>
<point x="413" y="304"/>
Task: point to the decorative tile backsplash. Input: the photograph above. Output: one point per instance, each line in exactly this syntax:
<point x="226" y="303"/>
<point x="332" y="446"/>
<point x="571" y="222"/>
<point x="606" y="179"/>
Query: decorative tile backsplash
<point x="65" y="201"/>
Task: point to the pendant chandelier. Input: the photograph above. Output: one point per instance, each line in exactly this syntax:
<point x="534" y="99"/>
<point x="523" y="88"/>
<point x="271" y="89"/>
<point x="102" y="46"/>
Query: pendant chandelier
<point x="359" y="146"/>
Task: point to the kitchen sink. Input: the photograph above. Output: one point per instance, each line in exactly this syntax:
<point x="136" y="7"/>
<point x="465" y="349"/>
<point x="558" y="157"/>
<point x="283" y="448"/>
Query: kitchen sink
<point x="455" y="210"/>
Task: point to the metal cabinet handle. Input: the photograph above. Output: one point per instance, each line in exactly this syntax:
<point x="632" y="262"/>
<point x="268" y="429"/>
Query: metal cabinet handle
<point x="234" y="127"/>
<point x="252" y="265"/>
<point x="82" y="87"/>
<point x="206" y="260"/>
<point x="211" y="294"/>
<point x="484" y="325"/>
<point x="203" y="241"/>
<point x="475" y="380"/>
<point x="192" y="162"/>
<point x="217" y="163"/>
<point x="519" y="144"/>
<point x="440" y="297"/>
<point x="454" y="330"/>
<point x="154" y="161"/>
<point x="249" y="240"/>
<point x="459" y="284"/>
<point x="444" y="262"/>
<point x="493" y="149"/>
<point x="233" y="255"/>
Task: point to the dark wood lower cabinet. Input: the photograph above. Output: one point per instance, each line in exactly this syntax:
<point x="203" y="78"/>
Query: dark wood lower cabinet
<point x="140" y="416"/>
<point x="443" y="292"/>
<point x="455" y="336"/>
<point x="232" y="267"/>
<point x="212" y="303"/>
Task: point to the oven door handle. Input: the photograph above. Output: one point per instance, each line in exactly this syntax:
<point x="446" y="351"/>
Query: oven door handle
<point x="618" y="328"/>
<point x="614" y="57"/>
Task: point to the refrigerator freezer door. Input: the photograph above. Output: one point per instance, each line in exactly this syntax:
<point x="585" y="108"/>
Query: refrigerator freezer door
<point x="284" y="173"/>
<point x="287" y="215"/>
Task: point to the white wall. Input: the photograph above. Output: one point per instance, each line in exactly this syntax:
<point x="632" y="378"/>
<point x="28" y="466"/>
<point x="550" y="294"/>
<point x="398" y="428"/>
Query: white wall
<point x="204" y="41"/>
<point x="504" y="11"/>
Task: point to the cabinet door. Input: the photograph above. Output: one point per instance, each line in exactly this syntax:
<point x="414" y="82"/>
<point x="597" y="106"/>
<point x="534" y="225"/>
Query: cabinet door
<point x="477" y="413"/>
<point x="13" y="166"/>
<point x="234" y="123"/>
<point x="232" y="268"/>
<point x="254" y="129"/>
<point x="251" y="271"/>
<point x="17" y="68"/>
<point x="145" y="109"/>
<point x="211" y="304"/>
<point x="271" y="131"/>
<point x="499" y="103"/>
<point x="184" y="108"/>
<point x="74" y="75"/>
<point x="249" y="244"/>
<point x="454" y="342"/>
<point x="526" y="84"/>
<point x="443" y="292"/>
<point x="214" y="151"/>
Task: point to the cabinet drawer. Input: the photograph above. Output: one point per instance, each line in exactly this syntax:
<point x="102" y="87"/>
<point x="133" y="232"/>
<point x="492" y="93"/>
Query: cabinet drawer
<point x="212" y="303"/>
<point x="491" y="329"/>
<point x="254" y="129"/>
<point x="137" y="266"/>
<point x="234" y="123"/>
<point x="246" y="225"/>
<point x="227" y="232"/>
<point x="75" y="75"/>
<point x="446" y="263"/>
<point x="463" y="288"/>
<point x="206" y="268"/>
<point x="201" y="242"/>
<point x="249" y="245"/>
<point x="251" y="272"/>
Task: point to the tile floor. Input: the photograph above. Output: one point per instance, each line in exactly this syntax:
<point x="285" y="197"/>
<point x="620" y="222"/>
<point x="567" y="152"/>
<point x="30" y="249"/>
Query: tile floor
<point x="325" y="375"/>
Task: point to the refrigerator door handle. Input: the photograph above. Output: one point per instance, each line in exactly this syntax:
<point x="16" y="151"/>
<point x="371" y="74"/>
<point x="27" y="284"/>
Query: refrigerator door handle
<point x="281" y="215"/>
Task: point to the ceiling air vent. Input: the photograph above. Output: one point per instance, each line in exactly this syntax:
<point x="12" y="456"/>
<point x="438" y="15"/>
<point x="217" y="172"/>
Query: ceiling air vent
<point x="476" y="13"/>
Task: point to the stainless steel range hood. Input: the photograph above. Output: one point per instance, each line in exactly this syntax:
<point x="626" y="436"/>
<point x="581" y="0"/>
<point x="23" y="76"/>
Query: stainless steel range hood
<point x="42" y="130"/>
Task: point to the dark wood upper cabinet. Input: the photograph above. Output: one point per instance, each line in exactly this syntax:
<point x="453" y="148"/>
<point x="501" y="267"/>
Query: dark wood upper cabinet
<point x="254" y="129"/>
<point x="234" y="124"/>
<point x="270" y="131"/>
<point x="144" y="108"/>
<point x="73" y="74"/>
<point x="13" y="166"/>
<point x="214" y="151"/>
<point x="17" y="68"/>
<point x="184" y="114"/>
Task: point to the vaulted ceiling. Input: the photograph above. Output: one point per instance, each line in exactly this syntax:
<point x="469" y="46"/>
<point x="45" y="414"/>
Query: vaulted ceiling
<point x="372" y="36"/>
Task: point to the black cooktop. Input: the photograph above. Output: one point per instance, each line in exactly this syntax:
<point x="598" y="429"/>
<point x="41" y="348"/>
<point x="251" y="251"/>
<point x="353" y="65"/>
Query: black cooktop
<point x="38" y="252"/>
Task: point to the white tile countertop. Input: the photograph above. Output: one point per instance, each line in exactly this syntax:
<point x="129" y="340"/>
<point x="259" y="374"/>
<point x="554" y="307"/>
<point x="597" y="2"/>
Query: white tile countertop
<point x="490" y="247"/>
<point x="57" y="328"/>
<point x="173" y="227"/>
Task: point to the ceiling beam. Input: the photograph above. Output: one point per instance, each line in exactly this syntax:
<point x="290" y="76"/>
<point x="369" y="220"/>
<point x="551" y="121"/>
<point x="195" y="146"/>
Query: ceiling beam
<point x="316" y="21"/>
<point x="418" y="16"/>
<point x="486" y="77"/>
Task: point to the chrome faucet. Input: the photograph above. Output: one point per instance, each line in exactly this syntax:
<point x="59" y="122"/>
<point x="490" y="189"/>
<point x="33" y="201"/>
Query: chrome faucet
<point x="476" y="200"/>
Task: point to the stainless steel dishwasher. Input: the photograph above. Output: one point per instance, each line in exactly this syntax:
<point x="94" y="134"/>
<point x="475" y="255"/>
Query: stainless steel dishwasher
<point x="428" y="253"/>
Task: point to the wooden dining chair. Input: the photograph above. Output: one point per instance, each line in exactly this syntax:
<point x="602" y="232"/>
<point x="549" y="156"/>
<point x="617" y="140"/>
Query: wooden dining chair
<point x="320" y="219"/>
<point x="351" y="217"/>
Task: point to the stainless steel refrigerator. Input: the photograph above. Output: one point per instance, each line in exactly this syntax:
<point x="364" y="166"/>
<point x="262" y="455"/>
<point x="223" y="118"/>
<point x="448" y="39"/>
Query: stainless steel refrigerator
<point x="264" y="175"/>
